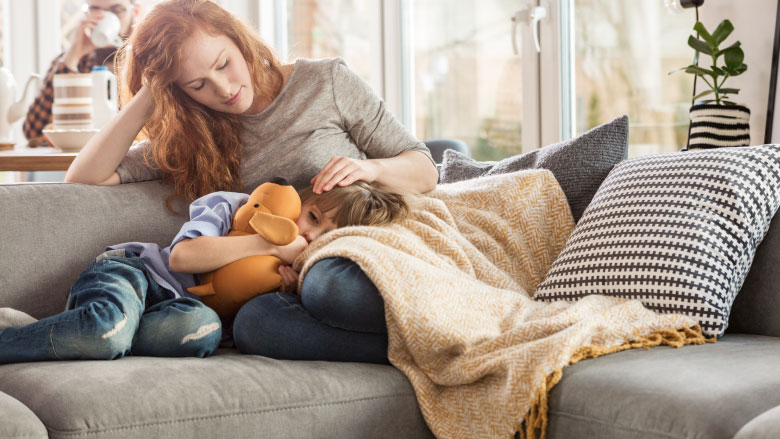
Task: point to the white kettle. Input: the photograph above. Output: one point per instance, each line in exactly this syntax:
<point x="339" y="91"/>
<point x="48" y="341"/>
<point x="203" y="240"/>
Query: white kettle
<point x="105" y="102"/>
<point x="11" y="111"/>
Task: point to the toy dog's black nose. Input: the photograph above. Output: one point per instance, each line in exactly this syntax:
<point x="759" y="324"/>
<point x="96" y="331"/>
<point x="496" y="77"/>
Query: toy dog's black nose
<point x="279" y="180"/>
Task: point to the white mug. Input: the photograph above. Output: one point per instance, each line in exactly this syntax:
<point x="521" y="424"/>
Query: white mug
<point x="106" y="33"/>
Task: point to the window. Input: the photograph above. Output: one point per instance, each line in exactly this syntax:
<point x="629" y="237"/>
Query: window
<point x="71" y="14"/>
<point x="2" y="35"/>
<point x="614" y="59"/>
<point x="623" y="52"/>
<point x="335" y="28"/>
<point x="468" y="81"/>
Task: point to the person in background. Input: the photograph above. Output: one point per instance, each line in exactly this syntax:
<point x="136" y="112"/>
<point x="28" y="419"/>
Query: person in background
<point x="80" y="57"/>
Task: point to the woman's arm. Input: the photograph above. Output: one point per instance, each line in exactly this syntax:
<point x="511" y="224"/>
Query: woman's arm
<point x="408" y="172"/>
<point x="207" y="253"/>
<point x="396" y="158"/>
<point x="98" y="160"/>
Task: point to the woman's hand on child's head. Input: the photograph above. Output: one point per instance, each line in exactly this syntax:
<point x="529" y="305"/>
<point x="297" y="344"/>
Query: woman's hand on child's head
<point x="289" y="279"/>
<point x="289" y="252"/>
<point x="343" y="171"/>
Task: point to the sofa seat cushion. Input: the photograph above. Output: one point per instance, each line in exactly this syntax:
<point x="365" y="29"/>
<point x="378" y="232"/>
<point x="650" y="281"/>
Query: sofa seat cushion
<point x="708" y="391"/>
<point x="17" y="421"/>
<point x="227" y="395"/>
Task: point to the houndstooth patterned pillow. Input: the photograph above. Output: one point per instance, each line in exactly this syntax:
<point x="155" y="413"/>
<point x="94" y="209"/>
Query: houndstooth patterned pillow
<point x="677" y="231"/>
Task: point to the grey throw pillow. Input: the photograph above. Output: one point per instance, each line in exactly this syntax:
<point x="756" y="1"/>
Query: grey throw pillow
<point x="579" y="164"/>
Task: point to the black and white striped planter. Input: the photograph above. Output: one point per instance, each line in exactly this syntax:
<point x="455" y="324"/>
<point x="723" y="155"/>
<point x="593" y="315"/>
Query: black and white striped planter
<point x="715" y="126"/>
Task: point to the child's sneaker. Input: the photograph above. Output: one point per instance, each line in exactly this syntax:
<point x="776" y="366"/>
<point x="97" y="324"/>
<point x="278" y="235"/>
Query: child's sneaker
<point x="10" y="317"/>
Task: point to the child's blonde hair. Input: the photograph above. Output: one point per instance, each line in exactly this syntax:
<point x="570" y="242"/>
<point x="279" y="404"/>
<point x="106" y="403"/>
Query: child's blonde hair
<point x="359" y="204"/>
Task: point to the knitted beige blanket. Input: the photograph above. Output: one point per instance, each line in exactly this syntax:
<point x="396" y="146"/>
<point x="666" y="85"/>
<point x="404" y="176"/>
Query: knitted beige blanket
<point x="457" y="279"/>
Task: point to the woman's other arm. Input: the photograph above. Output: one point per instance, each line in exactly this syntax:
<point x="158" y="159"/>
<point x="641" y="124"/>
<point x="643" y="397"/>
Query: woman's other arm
<point x="207" y="253"/>
<point x="395" y="157"/>
<point x="408" y="172"/>
<point x="98" y="160"/>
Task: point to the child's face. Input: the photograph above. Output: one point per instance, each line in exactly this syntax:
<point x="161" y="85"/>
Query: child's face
<point x="314" y="223"/>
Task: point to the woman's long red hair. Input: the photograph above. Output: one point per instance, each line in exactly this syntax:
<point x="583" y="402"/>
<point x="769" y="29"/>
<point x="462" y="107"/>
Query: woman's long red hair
<point x="196" y="148"/>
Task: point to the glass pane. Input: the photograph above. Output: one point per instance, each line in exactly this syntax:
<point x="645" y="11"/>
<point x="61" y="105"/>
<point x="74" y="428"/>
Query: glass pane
<point x="467" y="79"/>
<point x="71" y="14"/>
<point x="330" y="28"/>
<point x="623" y="53"/>
<point x="5" y="177"/>
<point x="2" y="36"/>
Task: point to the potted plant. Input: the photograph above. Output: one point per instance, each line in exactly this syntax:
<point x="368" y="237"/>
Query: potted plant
<point x="717" y="121"/>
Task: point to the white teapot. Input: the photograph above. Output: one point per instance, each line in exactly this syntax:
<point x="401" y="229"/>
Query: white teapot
<point x="11" y="111"/>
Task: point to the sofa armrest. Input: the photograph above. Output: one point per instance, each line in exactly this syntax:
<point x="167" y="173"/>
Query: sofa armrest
<point x="764" y="425"/>
<point x="50" y="232"/>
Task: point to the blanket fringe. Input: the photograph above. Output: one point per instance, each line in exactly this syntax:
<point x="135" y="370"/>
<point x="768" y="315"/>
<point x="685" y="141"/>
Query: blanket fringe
<point x="535" y="421"/>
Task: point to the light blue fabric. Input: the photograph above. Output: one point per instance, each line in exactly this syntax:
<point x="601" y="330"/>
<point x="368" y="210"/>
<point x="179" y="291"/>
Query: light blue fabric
<point x="210" y="215"/>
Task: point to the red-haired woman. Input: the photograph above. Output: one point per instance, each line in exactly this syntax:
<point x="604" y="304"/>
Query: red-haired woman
<point x="222" y="114"/>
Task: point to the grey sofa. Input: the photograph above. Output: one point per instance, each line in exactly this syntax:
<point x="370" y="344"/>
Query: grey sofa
<point x="50" y="232"/>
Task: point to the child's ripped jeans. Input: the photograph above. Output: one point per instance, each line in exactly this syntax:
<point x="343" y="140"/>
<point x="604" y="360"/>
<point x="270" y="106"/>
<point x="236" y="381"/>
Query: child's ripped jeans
<point x="115" y="309"/>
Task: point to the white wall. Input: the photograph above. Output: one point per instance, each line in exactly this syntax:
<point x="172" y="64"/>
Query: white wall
<point x="754" y="24"/>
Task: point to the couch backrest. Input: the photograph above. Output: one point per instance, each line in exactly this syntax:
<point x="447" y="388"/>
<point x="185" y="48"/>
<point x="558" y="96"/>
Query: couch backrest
<point x="50" y="232"/>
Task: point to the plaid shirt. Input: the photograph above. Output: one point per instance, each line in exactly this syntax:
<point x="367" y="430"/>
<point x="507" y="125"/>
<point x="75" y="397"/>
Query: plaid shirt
<point x="39" y="114"/>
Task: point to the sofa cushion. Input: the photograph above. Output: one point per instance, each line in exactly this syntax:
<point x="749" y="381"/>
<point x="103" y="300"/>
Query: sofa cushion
<point x="708" y="391"/>
<point x="227" y="395"/>
<point x="677" y="231"/>
<point x="17" y="421"/>
<point x="765" y="425"/>
<point x="579" y="164"/>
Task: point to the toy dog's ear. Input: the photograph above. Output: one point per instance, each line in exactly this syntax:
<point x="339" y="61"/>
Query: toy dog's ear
<point x="275" y="229"/>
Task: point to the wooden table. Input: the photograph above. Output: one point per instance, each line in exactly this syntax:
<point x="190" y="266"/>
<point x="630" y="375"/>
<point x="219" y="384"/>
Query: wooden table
<point x="35" y="159"/>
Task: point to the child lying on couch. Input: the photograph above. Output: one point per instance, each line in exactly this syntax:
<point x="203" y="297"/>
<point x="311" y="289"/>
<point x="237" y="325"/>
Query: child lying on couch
<point x="132" y="299"/>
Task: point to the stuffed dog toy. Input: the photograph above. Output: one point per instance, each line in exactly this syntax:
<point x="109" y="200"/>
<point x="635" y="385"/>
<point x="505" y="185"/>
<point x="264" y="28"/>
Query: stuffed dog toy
<point x="270" y="212"/>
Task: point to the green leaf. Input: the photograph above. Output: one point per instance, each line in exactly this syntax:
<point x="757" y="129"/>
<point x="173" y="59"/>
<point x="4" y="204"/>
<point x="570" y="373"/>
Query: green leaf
<point x="730" y="91"/>
<point x="718" y="70"/>
<point x="736" y="72"/>
<point x="699" y="45"/>
<point x="704" y="33"/>
<point x="722" y="51"/>
<point x="704" y="93"/>
<point x="722" y="32"/>
<point x="734" y="57"/>
<point x="696" y="70"/>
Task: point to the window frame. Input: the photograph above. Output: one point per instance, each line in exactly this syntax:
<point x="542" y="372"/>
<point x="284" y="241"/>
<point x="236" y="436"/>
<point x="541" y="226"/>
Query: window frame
<point x="392" y="72"/>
